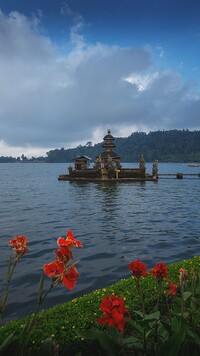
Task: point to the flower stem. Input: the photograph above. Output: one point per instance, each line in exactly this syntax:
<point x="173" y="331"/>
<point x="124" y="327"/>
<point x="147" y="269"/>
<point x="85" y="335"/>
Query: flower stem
<point x="30" y="323"/>
<point x="141" y="296"/>
<point x="9" y="276"/>
<point x="159" y="293"/>
<point x="182" y="298"/>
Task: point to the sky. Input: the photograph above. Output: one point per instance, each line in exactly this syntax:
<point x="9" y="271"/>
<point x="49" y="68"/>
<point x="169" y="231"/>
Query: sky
<point x="70" y="70"/>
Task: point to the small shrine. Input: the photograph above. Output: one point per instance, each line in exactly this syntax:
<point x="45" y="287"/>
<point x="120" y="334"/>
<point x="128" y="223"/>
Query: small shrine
<point x="107" y="166"/>
<point x="81" y="162"/>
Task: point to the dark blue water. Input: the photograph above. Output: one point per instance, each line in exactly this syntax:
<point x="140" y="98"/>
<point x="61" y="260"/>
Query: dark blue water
<point x="118" y="222"/>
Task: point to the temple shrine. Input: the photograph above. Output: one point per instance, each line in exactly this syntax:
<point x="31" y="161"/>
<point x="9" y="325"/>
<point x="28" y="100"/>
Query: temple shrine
<point x="107" y="167"/>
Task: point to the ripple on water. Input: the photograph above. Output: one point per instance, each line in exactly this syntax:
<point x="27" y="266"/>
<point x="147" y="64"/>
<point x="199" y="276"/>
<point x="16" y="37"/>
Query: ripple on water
<point x="116" y="223"/>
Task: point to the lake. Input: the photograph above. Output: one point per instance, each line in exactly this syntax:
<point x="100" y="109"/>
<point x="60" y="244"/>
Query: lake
<point x="116" y="222"/>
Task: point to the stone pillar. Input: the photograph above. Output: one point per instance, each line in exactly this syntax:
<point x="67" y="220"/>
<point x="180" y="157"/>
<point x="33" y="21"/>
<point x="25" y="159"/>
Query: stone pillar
<point x="142" y="166"/>
<point x="104" y="174"/>
<point x="155" y="169"/>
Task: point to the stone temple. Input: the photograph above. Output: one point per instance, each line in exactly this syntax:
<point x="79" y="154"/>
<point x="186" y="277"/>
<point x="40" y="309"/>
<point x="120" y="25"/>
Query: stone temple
<point x="107" y="167"/>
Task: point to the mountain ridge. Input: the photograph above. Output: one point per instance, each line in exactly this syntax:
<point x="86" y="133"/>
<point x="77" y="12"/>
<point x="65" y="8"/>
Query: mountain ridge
<point x="164" y="146"/>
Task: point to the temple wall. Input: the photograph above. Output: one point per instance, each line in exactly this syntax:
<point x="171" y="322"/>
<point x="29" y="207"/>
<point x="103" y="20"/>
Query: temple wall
<point x="110" y="174"/>
<point x="87" y="174"/>
<point x="131" y="173"/>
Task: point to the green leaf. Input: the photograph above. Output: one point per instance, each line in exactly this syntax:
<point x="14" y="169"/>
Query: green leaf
<point x="114" y="333"/>
<point x="167" y="327"/>
<point x="132" y="342"/>
<point x="106" y="342"/>
<point x="186" y="295"/>
<point x="152" y="316"/>
<point x="178" y="322"/>
<point x="176" y="306"/>
<point x="136" y="325"/>
<point x="197" y="317"/>
<point x="173" y="345"/>
<point x="25" y="333"/>
<point x="6" y="342"/>
<point x="137" y="312"/>
<point x="196" y="300"/>
<point x="40" y="289"/>
<point x="162" y="331"/>
<point x="193" y="335"/>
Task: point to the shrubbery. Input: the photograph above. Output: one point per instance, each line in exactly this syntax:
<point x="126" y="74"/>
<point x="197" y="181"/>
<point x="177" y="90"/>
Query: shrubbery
<point x="150" y="313"/>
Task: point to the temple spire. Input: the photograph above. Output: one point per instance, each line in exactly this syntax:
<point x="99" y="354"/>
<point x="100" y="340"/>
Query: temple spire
<point x="108" y="142"/>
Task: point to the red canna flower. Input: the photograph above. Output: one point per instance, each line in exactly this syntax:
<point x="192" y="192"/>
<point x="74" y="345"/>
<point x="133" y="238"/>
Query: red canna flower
<point x="19" y="243"/>
<point x="69" y="278"/>
<point x="63" y="254"/>
<point x="54" y="269"/>
<point x="138" y="268"/>
<point x="160" y="271"/>
<point x="172" y="288"/>
<point x="69" y="241"/>
<point x="113" y="309"/>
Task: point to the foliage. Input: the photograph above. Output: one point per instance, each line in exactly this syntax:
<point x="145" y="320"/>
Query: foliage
<point x="165" y="146"/>
<point x="61" y="321"/>
<point x="174" y="332"/>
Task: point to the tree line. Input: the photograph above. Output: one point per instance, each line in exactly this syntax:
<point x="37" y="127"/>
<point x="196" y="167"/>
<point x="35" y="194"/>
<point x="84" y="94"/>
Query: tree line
<point x="164" y="146"/>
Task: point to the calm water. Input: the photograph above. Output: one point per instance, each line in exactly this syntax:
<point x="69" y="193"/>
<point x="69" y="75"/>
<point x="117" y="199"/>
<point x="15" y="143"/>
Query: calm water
<point x="116" y="222"/>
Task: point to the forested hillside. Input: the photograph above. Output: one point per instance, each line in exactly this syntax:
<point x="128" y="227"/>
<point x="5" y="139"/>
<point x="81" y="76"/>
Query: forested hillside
<point x="165" y="146"/>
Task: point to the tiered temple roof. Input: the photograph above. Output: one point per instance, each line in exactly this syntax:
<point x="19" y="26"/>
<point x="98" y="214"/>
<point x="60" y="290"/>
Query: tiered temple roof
<point x="108" y="145"/>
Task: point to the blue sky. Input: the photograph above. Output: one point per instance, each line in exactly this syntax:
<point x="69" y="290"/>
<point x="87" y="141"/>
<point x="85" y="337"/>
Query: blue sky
<point x="71" y="69"/>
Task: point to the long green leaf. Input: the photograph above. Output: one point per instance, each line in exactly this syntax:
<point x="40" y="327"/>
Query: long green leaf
<point x="173" y="345"/>
<point x="186" y="295"/>
<point x="137" y="312"/>
<point x="130" y="341"/>
<point x="6" y="342"/>
<point x="40" y="289"/>
<point x="105" y="341"/>
<point x="152" y="316"/>
<point x="178" y="323"/>
<point x="194" y="336"/>
<point x="136" y="325"/>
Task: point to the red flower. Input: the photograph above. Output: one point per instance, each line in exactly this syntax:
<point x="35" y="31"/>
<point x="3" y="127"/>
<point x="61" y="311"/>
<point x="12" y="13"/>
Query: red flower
<point x="113" y="309"/>
<point x="19" y="243"/>
<point x="69" y="241"/>
<point x="63" y="254"/>
<point x="172" y="288"/>
<point x="160" y="271"/>
<point x="54" y="269"/>
<point x="138" y="268"/>
<point x="69" y="278"/>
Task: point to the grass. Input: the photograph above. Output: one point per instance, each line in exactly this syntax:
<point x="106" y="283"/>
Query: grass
<point x="63" y="321"/>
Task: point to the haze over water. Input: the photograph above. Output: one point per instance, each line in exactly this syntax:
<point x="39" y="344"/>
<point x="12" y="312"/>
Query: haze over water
<point x="118" y="222"/>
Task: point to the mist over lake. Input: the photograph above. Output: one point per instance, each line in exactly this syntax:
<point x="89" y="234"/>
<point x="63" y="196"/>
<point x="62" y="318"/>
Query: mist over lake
<point x="116" y="222"/>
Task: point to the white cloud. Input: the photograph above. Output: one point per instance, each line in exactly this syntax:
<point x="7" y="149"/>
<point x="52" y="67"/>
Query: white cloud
<point x="17" y="151"/>
<point x="142" y="81"/>
<point x="76" y="34"/>
<point x="161" y="51"/>
<point x="49" y="101"/>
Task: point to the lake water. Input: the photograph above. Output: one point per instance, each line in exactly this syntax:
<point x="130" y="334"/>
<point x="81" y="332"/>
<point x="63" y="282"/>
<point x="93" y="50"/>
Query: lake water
<point x="118" y="222"/>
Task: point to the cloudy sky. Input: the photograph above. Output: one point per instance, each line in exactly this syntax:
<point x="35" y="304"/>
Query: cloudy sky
<point x="69" y="70"/>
